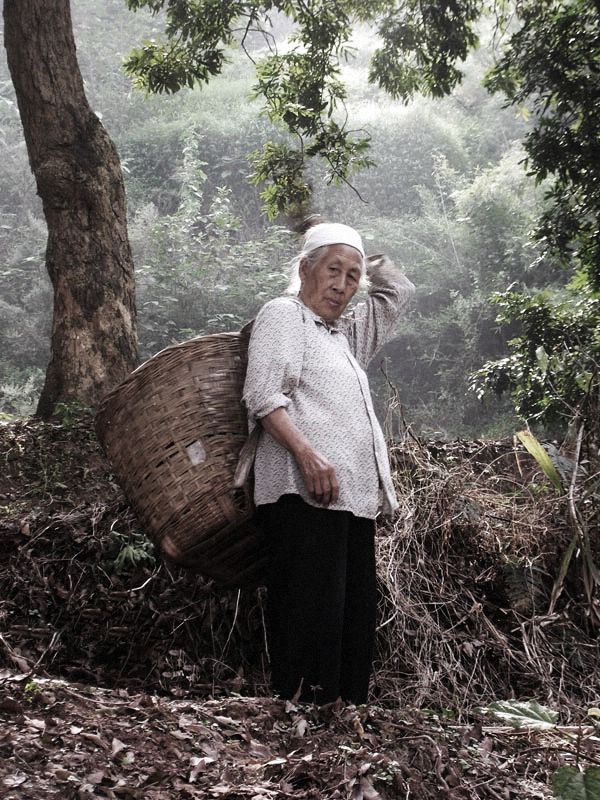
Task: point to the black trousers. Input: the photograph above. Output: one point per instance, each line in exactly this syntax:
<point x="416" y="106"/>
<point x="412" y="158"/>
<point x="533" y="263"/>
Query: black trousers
<point x="321" y="600"/>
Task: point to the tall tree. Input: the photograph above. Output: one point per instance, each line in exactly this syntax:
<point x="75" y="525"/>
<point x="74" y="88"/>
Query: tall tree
<point x="552" y="65"/>
<point x="302" y="86"/>
<point x="550" y="62"/>
<point x="79" y="180"/>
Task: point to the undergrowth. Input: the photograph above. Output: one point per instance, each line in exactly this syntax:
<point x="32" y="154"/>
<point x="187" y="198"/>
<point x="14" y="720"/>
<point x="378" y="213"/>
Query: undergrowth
<point x="467" y="577"/>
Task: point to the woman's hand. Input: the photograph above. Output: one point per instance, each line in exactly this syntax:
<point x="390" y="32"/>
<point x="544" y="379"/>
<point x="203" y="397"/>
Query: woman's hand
<point x="318" y="474"/>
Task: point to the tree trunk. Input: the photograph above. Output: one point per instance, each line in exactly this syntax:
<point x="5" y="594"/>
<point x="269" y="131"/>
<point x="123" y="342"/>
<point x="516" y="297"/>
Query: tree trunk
<point x="79" y="179"/>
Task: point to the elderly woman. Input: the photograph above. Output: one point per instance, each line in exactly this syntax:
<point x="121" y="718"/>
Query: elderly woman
<point x="321" y="471"/>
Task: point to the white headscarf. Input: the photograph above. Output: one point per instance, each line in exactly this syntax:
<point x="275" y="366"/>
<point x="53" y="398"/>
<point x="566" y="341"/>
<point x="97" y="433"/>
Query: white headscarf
<point x="332" y="233"/>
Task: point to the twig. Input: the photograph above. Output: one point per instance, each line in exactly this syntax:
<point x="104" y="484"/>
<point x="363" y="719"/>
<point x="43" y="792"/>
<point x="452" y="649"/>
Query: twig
<point x="20" y="661"/>
<point x="590" y="571"/>
<point x="147" y="581"/>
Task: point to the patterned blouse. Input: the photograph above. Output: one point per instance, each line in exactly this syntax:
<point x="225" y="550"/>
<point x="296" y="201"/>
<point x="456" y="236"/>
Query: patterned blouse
<point x="315" y="370"/>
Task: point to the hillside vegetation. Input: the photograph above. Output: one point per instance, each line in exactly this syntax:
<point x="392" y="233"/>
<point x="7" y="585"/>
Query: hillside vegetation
<point x="469" y="616"/>
<point x="448" y="199"/>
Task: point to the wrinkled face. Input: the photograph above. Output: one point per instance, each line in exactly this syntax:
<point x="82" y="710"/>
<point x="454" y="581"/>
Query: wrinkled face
<point x="328" y="286"/>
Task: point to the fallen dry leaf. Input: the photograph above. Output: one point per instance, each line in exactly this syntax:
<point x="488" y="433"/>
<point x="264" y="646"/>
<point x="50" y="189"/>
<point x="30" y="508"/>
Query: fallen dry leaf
<point x="14" y="780"/>
<point x="116" y="747"/>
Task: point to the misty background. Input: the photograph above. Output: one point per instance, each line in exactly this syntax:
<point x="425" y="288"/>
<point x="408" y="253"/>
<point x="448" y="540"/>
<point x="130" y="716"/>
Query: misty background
<point x="448" y="200"/>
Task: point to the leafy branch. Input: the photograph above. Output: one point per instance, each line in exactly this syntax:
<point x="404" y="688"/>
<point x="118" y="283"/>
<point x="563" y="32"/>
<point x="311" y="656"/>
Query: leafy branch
<point x="569" y="782"/>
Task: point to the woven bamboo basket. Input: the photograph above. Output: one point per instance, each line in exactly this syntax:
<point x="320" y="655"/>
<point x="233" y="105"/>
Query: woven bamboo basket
<point x="172" y="431"/>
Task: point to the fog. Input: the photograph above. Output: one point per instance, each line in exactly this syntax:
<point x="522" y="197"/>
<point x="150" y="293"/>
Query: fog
<point x="447" y="200"/>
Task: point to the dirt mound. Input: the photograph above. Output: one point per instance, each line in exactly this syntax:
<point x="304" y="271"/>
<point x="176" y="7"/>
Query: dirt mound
<point x="83" y="593"/>
<point x="466" y="576"/>
<point x="469" y="614"/>
<point x="64" y="740"/>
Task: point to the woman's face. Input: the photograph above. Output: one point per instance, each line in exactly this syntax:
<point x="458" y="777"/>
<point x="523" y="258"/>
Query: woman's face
<point x="328" y="286"/>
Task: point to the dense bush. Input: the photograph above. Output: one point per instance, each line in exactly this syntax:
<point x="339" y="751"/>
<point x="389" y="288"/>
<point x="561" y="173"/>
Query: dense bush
<point x="447" y="199"/>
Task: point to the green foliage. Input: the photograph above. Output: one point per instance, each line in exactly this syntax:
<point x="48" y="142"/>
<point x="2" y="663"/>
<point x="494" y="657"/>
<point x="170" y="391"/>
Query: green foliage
<point x="24" y="322"/>
<point x="407" y="145"/>
<point x="564" y="91"/>
<point x="571" y="783"/>
<point x="552" y="369"/>
<point x="197" y="31"/>
<point x="536" y="449"/>
<point x="302" y="89"/>
<point x="421" y="44"/>
<point x="25" y="293"/>
<point x="281" y="168"/>
<point x="196" y="273"/>
<point x="302" y="86"/>
<point x="70" y="415"/>
<point x="568" y="782"/>
<point x="469" y="239"/>
<point x="135" y="550"/>
<point x="31" y="690"/>
<point x="19" y="393"/>
<point x="522" y="714"/>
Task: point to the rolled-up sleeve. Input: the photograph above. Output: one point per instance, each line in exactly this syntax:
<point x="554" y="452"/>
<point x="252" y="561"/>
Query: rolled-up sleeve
<point x="275" y="357"/>
<point x="372" y="323"/>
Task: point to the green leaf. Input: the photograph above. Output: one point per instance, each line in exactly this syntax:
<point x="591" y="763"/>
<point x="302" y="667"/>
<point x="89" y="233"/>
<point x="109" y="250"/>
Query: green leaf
<point x="568" y="783"/>
<point x="584" y="380"/>
<point x="542" y="358"/>
<point x="533" y="446"/>
<point x="522" y="714"/>
<point x="562" y="573"/>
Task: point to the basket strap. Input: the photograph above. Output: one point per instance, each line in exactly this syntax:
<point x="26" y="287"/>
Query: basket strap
<point x="246" y="458"/>
<point x="248" y="451"/>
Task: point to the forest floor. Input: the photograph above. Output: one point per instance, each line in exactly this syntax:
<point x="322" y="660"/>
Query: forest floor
<point x="121" y="677"/>
<point x="67" y="740"/>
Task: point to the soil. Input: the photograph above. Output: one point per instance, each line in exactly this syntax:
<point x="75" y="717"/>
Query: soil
<point x="123" y="677"/>
<point x="65" y="740"/>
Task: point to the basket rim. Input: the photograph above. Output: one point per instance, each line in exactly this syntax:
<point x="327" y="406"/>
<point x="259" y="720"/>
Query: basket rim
<point x="150" y="363"/>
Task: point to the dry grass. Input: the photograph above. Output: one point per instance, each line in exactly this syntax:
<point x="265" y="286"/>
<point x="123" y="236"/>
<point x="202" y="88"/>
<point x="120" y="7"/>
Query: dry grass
<point x="466" y="573"/>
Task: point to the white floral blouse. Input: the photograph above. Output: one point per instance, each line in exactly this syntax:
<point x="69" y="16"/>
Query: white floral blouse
<point x="315" y="370"/>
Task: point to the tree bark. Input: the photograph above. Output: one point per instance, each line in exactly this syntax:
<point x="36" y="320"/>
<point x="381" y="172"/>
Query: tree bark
<point x="79" y="178"/>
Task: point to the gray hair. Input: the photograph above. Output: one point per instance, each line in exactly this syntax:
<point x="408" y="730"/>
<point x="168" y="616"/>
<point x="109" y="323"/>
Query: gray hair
<point x="313" y="256"/>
